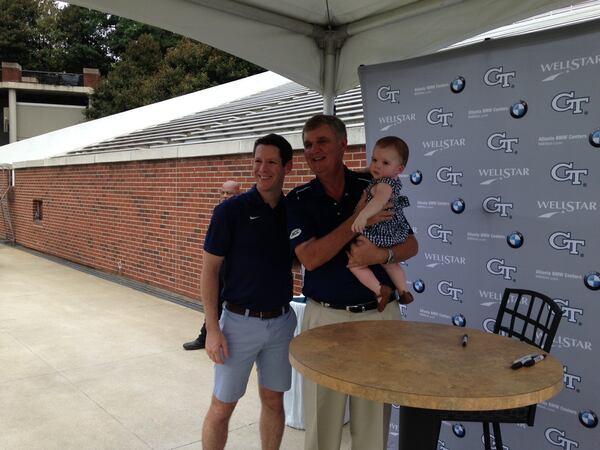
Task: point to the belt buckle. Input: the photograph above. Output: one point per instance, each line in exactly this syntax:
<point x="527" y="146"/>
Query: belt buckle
<point x="356" y="308"/>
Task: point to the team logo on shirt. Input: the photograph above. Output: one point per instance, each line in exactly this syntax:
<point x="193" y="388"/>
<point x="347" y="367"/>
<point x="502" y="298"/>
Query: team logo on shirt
<point x="295" y="233"/>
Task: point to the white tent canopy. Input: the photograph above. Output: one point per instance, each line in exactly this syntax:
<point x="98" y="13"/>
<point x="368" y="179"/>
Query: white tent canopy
<point x="321" y="43"/>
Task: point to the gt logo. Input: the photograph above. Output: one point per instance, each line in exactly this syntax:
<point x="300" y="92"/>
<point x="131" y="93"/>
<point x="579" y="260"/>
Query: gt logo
<point x="387" y="94"/>
<point x="447" y="289"/>
<point x="568" y="174"/>
<point x="566" y="101"/>
<point x="499" y="141"/>
<point x="445" y="175"/>
<point x="569" y="379"/>
<point x="496" y="266"/>
<point x="496" y="76"/>
<point x="438" y="116"/>
<point x="568" y="311"/>
<point x="557" y="437"/>
<point x="494" y="205"/>
<point x="566" y="243"/>
<point x="436" y="231"/>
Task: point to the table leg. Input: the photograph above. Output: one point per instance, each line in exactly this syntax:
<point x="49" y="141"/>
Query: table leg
<point x="418" y="429"/>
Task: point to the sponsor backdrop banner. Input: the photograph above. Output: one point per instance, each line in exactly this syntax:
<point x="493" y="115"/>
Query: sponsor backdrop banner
<point x="504" y="185"/>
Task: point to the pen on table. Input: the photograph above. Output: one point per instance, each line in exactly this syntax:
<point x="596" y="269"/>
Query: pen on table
<point x="534" y="360"/>
<point x="527" y="360"/>
<point x="464" y="340"/>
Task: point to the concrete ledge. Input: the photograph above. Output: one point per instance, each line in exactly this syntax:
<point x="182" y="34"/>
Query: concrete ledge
<point x="356" y="136"/>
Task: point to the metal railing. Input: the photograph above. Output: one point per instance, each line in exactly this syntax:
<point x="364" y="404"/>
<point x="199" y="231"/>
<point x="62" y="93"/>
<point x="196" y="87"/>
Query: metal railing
<point x="55" y="78"/>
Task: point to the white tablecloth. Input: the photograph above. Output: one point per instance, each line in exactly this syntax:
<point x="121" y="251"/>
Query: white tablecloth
<point x="292" y="399"/>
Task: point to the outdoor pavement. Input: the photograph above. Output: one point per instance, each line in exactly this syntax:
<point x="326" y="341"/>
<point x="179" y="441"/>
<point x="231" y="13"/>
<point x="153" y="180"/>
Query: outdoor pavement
<point x="86" y="363"/>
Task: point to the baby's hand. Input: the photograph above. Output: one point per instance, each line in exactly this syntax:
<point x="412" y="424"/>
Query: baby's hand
<point x="359" y="224"/>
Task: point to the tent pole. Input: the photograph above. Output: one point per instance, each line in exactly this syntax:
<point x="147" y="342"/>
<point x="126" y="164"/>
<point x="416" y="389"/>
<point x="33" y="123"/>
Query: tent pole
<point x="329" y="70"/>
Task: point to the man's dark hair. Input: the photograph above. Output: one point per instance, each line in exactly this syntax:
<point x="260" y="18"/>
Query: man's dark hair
<point x="285" y="149"/>
<point x="397" y="144"/>
<point x="334" y="123"/>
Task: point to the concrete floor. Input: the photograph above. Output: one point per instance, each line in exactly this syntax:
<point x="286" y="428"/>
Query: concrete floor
<point x="89" y="364"/>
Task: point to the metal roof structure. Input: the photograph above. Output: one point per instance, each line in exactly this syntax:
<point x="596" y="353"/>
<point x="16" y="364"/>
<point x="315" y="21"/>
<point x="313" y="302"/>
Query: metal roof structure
<point x="282" y="109"/>
<point x="285" y="108"/>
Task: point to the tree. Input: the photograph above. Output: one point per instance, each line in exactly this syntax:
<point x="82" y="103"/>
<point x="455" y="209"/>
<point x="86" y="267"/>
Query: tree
<point x="143" y="76"/>
<point x="19" y="39"/>
<point x="141" y="64"/>
<point x="80" y="39"/>
<point x="127" y="31"/>
<point x="126" y="86"/>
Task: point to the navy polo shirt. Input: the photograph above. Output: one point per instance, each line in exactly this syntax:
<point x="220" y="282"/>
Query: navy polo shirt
<point x="313" y="214"/>
<point x="253" y="238"/>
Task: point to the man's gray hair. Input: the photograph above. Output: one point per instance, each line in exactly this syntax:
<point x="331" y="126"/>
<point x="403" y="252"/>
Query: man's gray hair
<point x="333" y="122"/>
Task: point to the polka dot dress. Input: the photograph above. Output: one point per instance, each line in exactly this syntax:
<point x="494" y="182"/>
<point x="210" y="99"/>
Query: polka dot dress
<point x="394" y="231"/>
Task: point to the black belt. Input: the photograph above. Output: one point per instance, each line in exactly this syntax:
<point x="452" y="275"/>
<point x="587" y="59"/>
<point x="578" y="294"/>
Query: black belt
<point x="361" y="307"/>
<point x="239" y="309"/>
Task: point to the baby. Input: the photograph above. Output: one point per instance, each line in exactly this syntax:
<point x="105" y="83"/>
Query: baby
<point x="390" y="156"/>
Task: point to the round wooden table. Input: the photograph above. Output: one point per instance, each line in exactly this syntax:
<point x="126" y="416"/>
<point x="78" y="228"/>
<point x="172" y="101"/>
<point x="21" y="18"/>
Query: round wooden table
<point x="420" y="365"/>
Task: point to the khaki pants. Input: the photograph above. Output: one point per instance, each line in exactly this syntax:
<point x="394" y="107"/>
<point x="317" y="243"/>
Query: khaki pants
<point x="324" y="408"/>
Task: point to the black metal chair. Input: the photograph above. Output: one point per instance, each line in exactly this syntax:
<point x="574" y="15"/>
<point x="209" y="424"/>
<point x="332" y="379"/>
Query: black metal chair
<point x="530" y="317"/>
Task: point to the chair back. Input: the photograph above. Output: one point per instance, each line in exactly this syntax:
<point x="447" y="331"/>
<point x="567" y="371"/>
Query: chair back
<point x="528" y="316"/>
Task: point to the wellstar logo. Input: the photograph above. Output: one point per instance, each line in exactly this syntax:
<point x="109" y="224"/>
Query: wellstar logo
<point x="565" y="207"/>
<point x="568" y="65"/>
<point x="503" y="173"/>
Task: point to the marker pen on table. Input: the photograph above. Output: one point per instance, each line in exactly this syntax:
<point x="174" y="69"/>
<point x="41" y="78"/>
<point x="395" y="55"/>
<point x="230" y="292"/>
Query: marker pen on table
<point x="534" y="360"/>
<point x="520" y="362"/>
<point x="464" y="340"/>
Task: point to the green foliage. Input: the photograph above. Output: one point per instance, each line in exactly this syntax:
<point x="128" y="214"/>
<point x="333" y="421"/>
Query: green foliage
<point x="140" y="64"/>
<point x="126" y="31"/>
<point x="19" y="39"/>
<point x="144" y="76"/>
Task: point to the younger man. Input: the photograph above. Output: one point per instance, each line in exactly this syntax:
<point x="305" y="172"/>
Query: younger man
<point x="229" y="189"/>
<point x="249" y="232"/>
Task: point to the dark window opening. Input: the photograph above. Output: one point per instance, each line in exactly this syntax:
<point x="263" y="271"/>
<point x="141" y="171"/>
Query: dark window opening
<point x="38" y="211"/>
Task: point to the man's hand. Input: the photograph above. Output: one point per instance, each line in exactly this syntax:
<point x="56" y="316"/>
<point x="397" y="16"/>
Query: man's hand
<point x="381" y="216"/>
<point x="216" y="346"/>
<point x="364" y="253"/>
<point x="385" y="214"/>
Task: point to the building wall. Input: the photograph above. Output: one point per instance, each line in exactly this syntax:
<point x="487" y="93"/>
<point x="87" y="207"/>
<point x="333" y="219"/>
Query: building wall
<point x="143" y="220"/>
<point x="4" y="174"/>
<point x="34" y="119"/>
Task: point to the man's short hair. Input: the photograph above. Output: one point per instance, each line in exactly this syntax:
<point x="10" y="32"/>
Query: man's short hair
<point x="333" y="122"/>
<point x="397" y="144"/>
<point x="285" y="149"/>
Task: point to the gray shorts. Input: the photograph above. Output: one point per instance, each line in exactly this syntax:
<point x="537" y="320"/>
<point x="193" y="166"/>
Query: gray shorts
<point x="251" y="340"/>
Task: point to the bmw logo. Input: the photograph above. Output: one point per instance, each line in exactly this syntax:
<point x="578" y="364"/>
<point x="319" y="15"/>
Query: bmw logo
<point x="458" y="206"/>
<point x="518" y="109"/>
<point x="457" y="85"/>
<point x="595" y="138"/>
<point x="515" y="239"/>
<point x="458" y="320"/>
<point x="592" y="281"/>
<point x="416" y="177"/>
<point x="459" y="430"/>
<point x="419" y="285"/>
<point x="588" y="418"/>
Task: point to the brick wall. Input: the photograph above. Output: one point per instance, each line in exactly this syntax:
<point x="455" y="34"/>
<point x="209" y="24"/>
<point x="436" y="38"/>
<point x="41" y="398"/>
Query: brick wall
<point x="3" y="186"/>
<point x="144" y="220"/>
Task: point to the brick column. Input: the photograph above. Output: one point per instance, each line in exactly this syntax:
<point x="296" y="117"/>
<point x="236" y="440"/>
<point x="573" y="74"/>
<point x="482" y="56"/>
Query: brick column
<point x="11" y="72"/>
<point x="91" y="77"/>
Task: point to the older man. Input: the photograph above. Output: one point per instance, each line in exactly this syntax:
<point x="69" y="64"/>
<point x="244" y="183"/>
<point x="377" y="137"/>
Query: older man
<point x="320" y="214"/>
<point x="249" y="232"/>
<point x="228" y="190"/>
